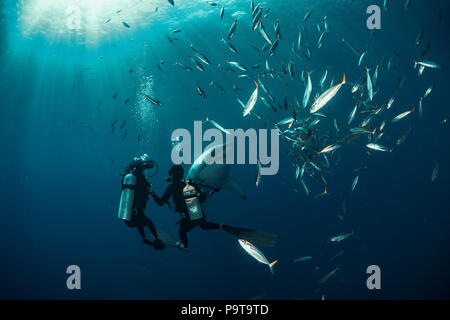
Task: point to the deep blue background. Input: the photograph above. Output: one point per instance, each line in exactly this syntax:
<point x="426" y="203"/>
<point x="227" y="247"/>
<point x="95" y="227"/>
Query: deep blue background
<point x="60" y="161"/>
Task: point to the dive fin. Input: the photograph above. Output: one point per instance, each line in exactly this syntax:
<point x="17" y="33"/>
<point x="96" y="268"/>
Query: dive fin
<point x="168" y="239"/>
<point x="253" y="236"/>
<point x="231" y="185"/>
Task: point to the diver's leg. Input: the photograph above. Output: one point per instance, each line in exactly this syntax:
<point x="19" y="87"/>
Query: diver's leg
<point x="210" y="226"/>
<point x="152" y="228"/>
<point x="157" y="243"/>
<point x="185" y="226"/>
<point x="141" y="232"/>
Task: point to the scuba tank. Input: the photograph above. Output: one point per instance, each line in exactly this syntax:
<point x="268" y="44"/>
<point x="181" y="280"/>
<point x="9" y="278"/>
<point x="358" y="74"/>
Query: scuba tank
<point x="137" y="166"/>
<point x="192" y="201"/>
<point x="127" y="197"/>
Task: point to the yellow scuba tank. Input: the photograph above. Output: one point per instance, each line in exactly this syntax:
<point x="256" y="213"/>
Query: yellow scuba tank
<point x="191" y="198"/>
<point x="127" y="197"/>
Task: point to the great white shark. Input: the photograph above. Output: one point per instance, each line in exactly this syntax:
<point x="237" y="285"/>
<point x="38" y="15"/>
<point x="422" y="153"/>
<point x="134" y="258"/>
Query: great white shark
<point x="204" y="172"/>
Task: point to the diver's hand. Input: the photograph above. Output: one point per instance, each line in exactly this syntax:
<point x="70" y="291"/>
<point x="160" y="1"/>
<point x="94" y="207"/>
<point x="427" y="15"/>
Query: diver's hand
<point x="216" y="188"/>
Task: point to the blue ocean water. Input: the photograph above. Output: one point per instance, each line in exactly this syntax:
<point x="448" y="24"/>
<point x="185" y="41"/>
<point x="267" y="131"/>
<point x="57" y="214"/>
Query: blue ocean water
<point x="61" y="161"/>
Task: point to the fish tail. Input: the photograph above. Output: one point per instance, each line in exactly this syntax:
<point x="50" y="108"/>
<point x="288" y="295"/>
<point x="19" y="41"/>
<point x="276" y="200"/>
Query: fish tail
<point x="375" y="130"/>
<point x="271" y="265"/>
<point x="343" y="79"/>
<point x="256" y="83"/>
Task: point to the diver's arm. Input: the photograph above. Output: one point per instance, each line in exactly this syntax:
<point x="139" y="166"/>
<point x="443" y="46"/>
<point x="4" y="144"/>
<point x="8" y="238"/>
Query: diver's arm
<point x="165" y="197"/>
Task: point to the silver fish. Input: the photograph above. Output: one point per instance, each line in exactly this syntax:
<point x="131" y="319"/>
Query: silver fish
<point x="330" y="148"/>
<point x="427" y="64"/>
<point x="355" y="182"/>
<point x="419" y="36"/>
<point x="403" y="115"/>
<point x="319" y="42"/>
<point x="237" y="65"/>
<point x="251" y="101"/>
<point x="218" y="126"/>
<point x="273" y="47"/>
<point x="435" y="172"/>
<point x="299" y="41"/>
<point x="376" y="147"/>
<point x="324" y="77"/>
<point x="232" y="29"/>
<point x="427" y="93"/>
<point x="375" y="76"/>
<point x="407" y="4"/>
<point x="391" y="101"/>
<point x="341" y="237"/>
<point x="307" y="93"/>
<point x="352" y="114"/>
<point x="264" y="34"/>
<point x="361" y="58"/>
<point x="229" y="45"/>
<point x="403" y="136"/>
<point x="291" y="69"/>
<point x="306" y="258"/>
<point x="335" y="125"/>
<point x="369" y="85"/>
<point x="420" y="107"/>
<point x="307" y="15"/>
<point x="326" y="277"/>
<point x="255" y="253"/>
<point x="326" y="97"/>
<point x="258" y="173"/>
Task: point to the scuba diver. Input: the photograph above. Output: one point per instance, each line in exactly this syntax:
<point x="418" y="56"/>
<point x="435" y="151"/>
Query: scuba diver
<point x="134" y="196"/>
<point x="187" y="197"/>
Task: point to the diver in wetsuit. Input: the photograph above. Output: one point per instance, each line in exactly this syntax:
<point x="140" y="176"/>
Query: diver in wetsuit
<point x="179" y="190"/>
<point x="138" y="219"/>
<point x="188" y="197"/>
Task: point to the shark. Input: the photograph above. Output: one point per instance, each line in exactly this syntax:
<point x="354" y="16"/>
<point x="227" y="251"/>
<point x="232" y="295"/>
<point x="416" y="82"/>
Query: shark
<point x="205" y="171"/>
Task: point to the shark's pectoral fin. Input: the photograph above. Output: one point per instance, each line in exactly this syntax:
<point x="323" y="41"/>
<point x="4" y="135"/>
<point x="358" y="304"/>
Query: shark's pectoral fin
<point x="231" y="185"/>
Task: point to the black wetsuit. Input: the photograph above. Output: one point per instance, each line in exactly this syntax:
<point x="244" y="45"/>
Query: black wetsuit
<point x="138" y="218"/>
<point x="175" y="190"/>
